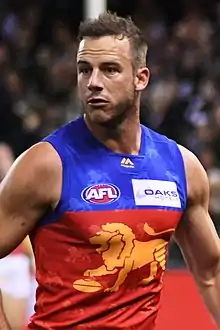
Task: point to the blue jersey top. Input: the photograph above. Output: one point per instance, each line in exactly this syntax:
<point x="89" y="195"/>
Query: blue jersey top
<point x="101" y="254"/>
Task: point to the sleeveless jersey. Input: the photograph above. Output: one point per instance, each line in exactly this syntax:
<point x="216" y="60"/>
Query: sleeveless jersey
<point x="101" y="255"/>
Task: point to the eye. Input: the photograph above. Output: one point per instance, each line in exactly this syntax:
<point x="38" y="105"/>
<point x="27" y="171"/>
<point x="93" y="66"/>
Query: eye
<point x="85" y="71"/>
<point x="111" y="71"/>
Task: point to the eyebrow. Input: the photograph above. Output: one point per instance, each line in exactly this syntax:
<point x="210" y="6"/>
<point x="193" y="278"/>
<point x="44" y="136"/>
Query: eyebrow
<point x="110" y="63"/>
<point x="82" y="62"/>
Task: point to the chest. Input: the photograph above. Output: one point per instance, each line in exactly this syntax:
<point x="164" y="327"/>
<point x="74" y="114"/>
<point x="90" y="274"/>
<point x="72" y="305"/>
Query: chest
<point x="119" y="183"/>
<point x="115" y="202"/>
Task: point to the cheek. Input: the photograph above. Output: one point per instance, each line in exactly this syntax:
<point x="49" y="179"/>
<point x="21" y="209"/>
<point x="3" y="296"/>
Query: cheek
<point x="122" y="88"/>
<point x="129" y="89"/>
<point x="81" y="89"/>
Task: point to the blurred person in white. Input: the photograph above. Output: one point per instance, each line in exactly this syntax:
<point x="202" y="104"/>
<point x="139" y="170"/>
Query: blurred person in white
<point x="15" y="268"/>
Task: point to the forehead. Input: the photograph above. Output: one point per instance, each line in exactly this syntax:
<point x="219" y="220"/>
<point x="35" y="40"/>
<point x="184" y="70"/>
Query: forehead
<point x="104" y="48"/>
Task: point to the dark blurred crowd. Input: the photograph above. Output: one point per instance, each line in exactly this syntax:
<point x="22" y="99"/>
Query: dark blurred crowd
<point x="38" y="75"/>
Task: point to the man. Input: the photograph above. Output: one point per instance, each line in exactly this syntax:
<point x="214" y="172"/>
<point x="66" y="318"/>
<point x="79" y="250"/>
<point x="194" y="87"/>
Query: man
<point x="102" y="196"/>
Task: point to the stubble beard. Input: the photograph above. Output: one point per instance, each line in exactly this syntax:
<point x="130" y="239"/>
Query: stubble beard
<point x="122" y="111"/>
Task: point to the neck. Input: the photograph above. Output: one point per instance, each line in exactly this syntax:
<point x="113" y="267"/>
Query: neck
<point x="123" y="138"/>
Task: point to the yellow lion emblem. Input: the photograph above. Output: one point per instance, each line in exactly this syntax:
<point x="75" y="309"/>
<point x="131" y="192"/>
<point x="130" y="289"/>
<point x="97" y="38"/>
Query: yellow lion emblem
<point x="121" y="253"/>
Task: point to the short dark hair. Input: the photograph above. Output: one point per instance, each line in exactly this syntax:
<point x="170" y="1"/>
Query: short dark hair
<point x="110" y="24"/>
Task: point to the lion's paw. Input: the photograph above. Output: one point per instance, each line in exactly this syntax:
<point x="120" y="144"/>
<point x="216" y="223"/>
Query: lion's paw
<point x="112" y="289"/>
<point x="88" y="272"/>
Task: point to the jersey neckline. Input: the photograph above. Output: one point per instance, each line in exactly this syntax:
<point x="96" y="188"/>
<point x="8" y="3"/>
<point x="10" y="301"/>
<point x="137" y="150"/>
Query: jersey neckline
<point x="109" y="151"/>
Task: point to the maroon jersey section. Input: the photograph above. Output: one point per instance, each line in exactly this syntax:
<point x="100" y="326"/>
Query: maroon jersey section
<point x="102" y="270"/>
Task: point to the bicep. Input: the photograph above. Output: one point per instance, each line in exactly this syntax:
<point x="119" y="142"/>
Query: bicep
<point x="198" y="240"/>
<point x="26" y="193"/>
<point x="196" y="234"/>
<point x="19" y="211"/>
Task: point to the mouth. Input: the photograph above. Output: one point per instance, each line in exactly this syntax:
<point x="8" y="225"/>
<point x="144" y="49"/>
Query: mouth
<point x="97" y="102"/>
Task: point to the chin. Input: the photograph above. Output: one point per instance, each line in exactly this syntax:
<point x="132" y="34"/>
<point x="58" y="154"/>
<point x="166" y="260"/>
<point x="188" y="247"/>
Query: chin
<point x="99" y="116"/>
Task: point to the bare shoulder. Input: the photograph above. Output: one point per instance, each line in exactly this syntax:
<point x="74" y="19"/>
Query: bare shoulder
<point x="31" y="187"/>
<point x="37" y="170"/>
<point x="40" y="157"/>
<point x="196" y="177"/>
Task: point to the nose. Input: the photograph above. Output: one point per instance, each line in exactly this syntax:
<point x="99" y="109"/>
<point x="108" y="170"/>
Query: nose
<point x="95" y="82"/>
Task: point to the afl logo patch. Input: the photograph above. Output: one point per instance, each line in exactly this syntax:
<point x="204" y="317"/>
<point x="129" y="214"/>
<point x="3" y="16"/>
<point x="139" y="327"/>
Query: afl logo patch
<point x="101" y="194"/>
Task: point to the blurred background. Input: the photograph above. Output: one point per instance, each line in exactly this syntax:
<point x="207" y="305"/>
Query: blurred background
<point x="38" y="78"/>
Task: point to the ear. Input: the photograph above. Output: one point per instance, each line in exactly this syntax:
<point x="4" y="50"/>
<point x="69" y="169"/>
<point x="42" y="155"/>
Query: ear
<point x="142" y="79"/>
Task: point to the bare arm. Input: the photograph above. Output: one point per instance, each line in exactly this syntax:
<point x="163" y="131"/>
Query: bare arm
<point x="197" y="236"/>
<point x="30" y="188"/>
<point x="4" y="325"/>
